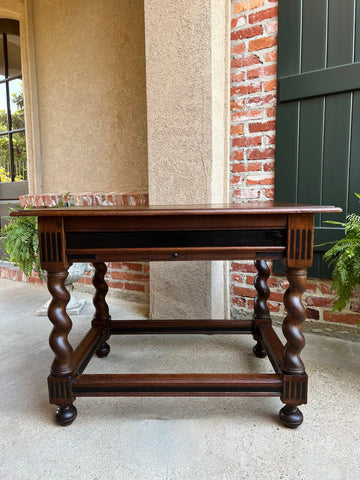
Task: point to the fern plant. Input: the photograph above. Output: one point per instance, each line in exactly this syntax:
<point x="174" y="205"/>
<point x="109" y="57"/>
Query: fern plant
<point x="20" y="241"/>
<point x="344" y="255"/>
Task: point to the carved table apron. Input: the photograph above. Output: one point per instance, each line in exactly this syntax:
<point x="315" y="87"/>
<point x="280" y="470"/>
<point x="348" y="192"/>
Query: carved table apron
<point x="258" y="232"/>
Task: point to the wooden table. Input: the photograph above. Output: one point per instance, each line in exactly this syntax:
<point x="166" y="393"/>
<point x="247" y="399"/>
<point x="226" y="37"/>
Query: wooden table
<point x="258" y="232"/>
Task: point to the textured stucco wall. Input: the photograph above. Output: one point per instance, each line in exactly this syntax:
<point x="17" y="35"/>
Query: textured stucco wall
<point x="186" y="68"/>
<point x="90" y="70"/>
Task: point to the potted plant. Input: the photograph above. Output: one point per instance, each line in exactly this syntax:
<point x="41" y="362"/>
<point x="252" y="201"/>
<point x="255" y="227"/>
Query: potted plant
<point x="344" y="255"/>
<point x="20" y="242"/>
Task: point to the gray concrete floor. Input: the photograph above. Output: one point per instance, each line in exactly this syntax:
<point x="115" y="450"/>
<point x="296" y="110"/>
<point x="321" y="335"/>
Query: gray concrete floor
<point x="169" y="438"/>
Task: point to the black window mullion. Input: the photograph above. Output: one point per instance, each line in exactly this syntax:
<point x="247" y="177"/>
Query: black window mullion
<point x="8" y="106"/>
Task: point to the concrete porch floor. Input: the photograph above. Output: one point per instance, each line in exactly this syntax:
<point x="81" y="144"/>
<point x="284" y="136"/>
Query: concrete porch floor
<point x="169" y="438"/>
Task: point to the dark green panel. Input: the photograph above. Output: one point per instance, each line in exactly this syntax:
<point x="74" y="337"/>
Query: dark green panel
<point x="320" y="82"/>
<point x="340" y="34"/>
<point x="357" y="32"/>
<point x="289" y="37"/>
<point x="286" y="152"/>
<point x="354" y="173"/>
<point x="311" y="152"/>
<point x="314" y="35"/>
<point x="336" y="152"/>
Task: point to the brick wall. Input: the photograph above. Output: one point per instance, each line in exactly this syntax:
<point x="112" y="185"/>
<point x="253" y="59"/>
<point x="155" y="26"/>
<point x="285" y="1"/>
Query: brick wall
<point x="129" y="279"/>
<point x="252" y="162"/>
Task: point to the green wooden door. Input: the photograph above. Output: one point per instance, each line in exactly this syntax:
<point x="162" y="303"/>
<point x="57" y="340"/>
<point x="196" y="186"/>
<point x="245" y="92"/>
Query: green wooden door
<point x="318" y="110"/>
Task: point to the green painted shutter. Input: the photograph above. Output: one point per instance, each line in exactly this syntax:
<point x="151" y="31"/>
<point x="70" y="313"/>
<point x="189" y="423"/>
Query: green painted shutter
<point x="318" y="110"/>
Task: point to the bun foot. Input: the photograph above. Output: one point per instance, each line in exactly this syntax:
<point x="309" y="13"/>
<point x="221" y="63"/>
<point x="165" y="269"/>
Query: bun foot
<point x="65" y="415"/>
<point x="291" y="416"/>
<point x="259" y="350"/>
<point x="103" y="350"/>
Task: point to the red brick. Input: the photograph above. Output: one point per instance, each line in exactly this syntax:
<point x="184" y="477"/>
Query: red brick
<point x="243" y="267"/>
<point x="276" y="296"/>
<point x="244" y="292"/>
<point x="326" y="289"/>
<point x="246" y="194"/>
<point x="355" y="307"/>
<point x="312" y="313"/>
<point x="238" y="22"/>
<point x="247" y="115"/>
<point x="235" y="277"/>
<point x="273" y="307"/>
<point x="246" y="89"/>
<point x="270" y="193"/>
<point x="269" y="167"/>
<point x="247" y="33"/>
<point x="262" y="72"/>
<point x="237" y="129"/>
<point x="258" y="154"/>
<point x="137" y="267"/>
<point x="246" y="167"/>
<point x="237" y="105"/>
<point x="237" y="77"/>
<point x="135" y="287"/>
<point x="250" y="279"/>
<point x="240" y="302"/>
<point x="247" y="5"/>
<point x="271" y="27"/>
<point x="271" y="56"/>
<point x="235" y="180"/>
<point x="238" y="49"/>
<point x="271" y="112"/>
<point x="262" y="127"/>
<point x="259" y="181"/>
<point x="263" y="15"/>
<point x="270" y="85"/>
<point x="246" y="141"/>
<point x="141" y="278"/>
<point x="319" y="301"/>
<point x="269" y="139"/>
<point x="121" y="276"/>
<point x="261" y="100"/>
<point x="245" y="61"/>
<point x="262" y="43"/>
<point x="115" y="284"/>
<point x="237" y="155"/>
<point x="348" y="318"/>
<point x="34" y="280"/>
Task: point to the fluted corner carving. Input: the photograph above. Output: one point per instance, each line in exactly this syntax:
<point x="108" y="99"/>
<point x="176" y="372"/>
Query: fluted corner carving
<point x="261" y="311"/>
<point x="296" y="314"/>
<point x="58" y="340"/>
<point x="101" y="289"/>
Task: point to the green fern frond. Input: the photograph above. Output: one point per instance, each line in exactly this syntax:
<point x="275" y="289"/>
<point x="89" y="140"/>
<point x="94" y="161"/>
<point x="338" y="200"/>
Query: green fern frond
<point x="344" y="255"/>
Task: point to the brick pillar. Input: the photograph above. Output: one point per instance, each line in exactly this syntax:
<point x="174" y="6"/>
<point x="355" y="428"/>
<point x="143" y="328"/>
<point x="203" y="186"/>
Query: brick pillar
<point x="186" y="70"/>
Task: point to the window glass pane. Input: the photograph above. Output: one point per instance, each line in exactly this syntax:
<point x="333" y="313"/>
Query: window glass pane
<point x="2" y="64"/>
<point x="4" y="159"/>
<point x="16" y="104"/>
<point x="14" y="57"/>
<point x="3" y="108"/>
<point x="19" y="147"/>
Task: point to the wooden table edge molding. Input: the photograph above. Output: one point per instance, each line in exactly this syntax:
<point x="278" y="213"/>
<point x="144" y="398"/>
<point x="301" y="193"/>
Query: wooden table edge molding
<point x="252" y="231"/>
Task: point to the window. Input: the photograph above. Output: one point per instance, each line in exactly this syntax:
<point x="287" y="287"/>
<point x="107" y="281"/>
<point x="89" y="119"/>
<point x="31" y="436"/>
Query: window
<point x="13" y="165"/>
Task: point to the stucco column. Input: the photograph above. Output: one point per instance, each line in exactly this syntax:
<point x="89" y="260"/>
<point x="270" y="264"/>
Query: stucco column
<point x="187" y="110"/>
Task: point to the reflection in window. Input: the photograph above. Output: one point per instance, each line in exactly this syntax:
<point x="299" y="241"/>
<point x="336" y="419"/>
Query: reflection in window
<point x="13" y="165"/>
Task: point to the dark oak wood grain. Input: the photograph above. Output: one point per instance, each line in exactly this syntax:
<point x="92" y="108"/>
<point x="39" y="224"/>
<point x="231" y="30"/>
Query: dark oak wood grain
<point x="255" y="231"/>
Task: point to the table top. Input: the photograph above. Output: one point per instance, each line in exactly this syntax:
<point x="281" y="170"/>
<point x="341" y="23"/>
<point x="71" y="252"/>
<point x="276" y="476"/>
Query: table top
<point x="163" y="210"/>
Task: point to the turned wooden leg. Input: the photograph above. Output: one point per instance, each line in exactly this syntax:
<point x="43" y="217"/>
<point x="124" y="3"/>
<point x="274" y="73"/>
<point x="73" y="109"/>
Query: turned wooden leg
<point x="261" y="311"/>
<point x="292" y="364"/>
<point x="101" y="316"/>
<point x="62" y="365"/>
